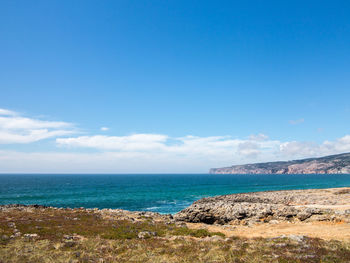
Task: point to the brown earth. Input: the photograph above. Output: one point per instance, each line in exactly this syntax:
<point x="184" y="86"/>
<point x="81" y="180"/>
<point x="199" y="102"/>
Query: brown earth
<point x="324" y="230"/>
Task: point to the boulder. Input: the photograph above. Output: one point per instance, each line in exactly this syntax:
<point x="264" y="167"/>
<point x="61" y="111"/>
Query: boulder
<point x="146" y="234"/>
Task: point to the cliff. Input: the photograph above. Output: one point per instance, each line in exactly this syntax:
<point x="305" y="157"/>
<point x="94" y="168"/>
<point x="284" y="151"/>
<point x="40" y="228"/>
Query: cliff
<point x="333" y="164"/>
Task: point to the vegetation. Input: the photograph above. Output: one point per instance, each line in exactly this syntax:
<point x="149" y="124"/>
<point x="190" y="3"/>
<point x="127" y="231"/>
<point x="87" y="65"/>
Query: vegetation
<point x="332" y="164"/>
<point x="85" y="236"/>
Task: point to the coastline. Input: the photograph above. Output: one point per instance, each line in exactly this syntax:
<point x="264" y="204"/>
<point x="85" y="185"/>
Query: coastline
<point x="235" y="213"/>
<point x="316" y="230"/>
<point x="155" y="193"/>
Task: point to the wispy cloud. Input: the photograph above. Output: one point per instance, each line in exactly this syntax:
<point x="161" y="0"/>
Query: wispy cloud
<point x="209" y="151"/>
<point x="148" y="153"/>
<point x="7" y="112"/>
<point x="15" y="128"/>
<point x="104" y="128"/>
<point x="188" y="145"/>
<point x="309" y="149"/>
<point x="142" y="152"/>
<point x="258" y="137"/>
<point x="135" y="142"/>
<point x="298" y="121"/>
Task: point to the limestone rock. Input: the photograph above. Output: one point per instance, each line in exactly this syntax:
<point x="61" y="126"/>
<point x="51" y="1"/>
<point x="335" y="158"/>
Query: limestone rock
<point x="252" y="208"/>
<point x="146" y="234"/>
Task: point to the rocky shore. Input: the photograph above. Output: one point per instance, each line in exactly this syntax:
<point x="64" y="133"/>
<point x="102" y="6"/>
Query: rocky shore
<point x="309" y="205"/>
<point x="271" y="207"/>
<point x="281" y="226"/>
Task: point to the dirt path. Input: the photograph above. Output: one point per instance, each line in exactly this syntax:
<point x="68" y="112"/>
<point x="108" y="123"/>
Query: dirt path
<point x="324" y="230"/>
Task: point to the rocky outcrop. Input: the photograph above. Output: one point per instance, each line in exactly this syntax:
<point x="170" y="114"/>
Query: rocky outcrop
<point x="248" y="208"/>
<point x="333" y="164"/>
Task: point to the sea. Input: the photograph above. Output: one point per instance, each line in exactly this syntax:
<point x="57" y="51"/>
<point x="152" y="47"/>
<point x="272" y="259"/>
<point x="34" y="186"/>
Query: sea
<point x="163" y="193"/>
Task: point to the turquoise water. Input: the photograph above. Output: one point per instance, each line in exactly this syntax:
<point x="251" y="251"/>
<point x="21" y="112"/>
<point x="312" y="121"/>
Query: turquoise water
<point x="168" y="193"/>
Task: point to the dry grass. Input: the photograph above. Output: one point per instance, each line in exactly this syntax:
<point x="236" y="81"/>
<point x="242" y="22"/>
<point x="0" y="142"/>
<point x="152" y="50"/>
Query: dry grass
<point x="100" y="240"/>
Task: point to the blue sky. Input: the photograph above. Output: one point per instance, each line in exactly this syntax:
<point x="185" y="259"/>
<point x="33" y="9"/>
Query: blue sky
<point x="180" y="86"/>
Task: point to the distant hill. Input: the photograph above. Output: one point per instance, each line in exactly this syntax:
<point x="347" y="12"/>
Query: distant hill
<point x="332" y="164"/>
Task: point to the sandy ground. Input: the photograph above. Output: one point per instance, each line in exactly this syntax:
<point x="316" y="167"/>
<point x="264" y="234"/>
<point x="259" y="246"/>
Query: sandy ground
<point x="324" y="230"/>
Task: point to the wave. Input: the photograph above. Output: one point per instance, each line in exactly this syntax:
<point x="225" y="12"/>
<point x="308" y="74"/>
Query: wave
<point x="152" y="208"/>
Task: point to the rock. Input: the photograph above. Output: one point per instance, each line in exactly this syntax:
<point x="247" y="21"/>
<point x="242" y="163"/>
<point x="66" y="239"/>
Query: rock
<point x="176" y="238"/>
<point x="5" y="238"/>
<point x="303" y="215"/>
<point x="30" y="237"/>
<point x="11" y="224"/>
<point x="68" y="237"/>
<point x="212" y="239"/>
<point x="297" y="238"/>
<point x="180" y="224"/>
<point x="17" y="234"/>
<point x="263" y="207"/>
<point x="69" y="243"/>
<point x="146" y="234"/>
<point x="319" y="218"/>
<point x="286" y="212"/>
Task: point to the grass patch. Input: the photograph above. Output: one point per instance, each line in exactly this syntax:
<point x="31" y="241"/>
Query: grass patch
<point x="184" y="231"/>
<point x="54" y="224"/>
<point x="112" y="240"/>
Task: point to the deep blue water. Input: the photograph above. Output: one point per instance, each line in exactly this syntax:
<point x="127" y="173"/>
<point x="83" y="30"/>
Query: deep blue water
<point x="168" y="193"/>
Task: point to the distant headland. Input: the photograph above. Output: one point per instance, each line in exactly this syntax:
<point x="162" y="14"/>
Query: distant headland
<point x="332" y="164"/>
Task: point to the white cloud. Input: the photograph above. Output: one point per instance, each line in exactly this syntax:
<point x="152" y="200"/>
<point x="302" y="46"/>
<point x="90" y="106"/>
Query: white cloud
<point x="147" y="153"/>
<point x="178" y="153"/>
<point x="142" y="152"/>
<point x="18" y="122"/>
<point x="28" y="136"/>
<point x="135" y="142"/>
<point x="296" y="149"/>
<point x="7" y="112"/>
<point x="258" y="137"/>
<point x="217" y="146"/>
<point x="18" y="129"/>
<point x="104" y="128"/>
<point x="249" y="149"/>
<point x="295" y="122"/>
<point x="172" y="154"/>
<point x="104" y="162"/>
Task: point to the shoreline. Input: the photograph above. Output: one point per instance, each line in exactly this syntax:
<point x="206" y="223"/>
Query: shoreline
<point x="250" y="214"/>
<point x="213" y="196"/>
<point x="250" y="227"/>
<point x="176" y="193"/>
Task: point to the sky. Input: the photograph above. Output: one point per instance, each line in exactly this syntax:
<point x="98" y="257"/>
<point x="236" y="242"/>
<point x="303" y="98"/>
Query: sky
<point x="171" y="86"/>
